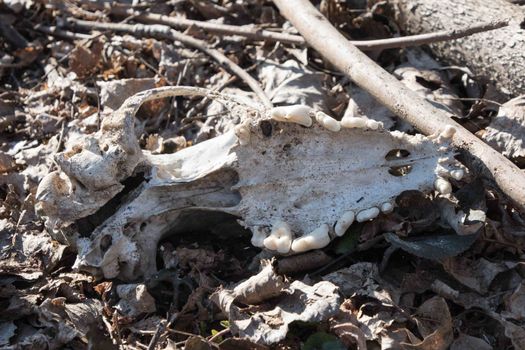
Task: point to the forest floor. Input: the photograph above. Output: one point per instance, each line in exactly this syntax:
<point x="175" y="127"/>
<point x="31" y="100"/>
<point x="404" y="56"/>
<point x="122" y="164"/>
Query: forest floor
<point x="425" y="276"/>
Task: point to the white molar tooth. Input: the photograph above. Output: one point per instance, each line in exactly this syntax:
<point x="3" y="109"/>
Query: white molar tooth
<point x="442" y="186"/>
<point x="344" y="223"/>
<point x="299" y="114"/>
<point x="280" y="238"/>
<point x="373" y="124"/>
<point x="367" y="214"/>
<point x="318" y="238"/>
<point x="457" y="174"/>
<point x="353" y="122"/>
<point x="448" y="132"/>
<point x="387" y="208"/>
<point x="259" y="234"/>
<point x="242" y="132"/>
<point x="327" y="122"/>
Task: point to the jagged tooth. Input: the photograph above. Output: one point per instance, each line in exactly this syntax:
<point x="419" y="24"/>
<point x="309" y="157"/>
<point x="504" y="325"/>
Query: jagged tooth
<point x="448" y="132"/>
<point x="299" y="114"/>
<point x="259" y="234"/>
<point x="242" y="132"/>
<point x="344" y="223"/>
<point x="373" y="124"/>
<point x="318" y="238"/>
<point x="327" y="122"/>
<point x="387" y="207"/>
<point x="442" y="186"/>
<point x="280" y="238"/>
<point x="457" y="174"/>
<point x="353" y="122"/>
<point x="367" y="214"/>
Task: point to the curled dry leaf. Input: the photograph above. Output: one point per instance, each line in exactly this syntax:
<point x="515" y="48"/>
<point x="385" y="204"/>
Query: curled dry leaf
<point x="506" y="132"/>
<point x="135" y="300"/>
<point x="290" y="302"/>
<point x="467" y="342"/>
<point x="434" y="323"/>
<point x="307" y="199"/>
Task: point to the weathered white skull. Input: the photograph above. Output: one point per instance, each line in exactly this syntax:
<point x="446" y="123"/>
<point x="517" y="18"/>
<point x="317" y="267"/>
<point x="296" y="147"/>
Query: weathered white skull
<point x="295" y="177"/>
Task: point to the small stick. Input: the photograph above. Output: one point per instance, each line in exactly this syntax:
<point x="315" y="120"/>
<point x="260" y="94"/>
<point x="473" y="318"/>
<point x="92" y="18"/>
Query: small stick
<point x="261" y="34"/>
<point x="165" y="32"/>
<point x="62" y="33"/>
<point x="400" y="100"/>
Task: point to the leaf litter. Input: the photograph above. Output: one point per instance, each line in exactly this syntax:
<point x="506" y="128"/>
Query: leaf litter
<point x="434" y="273"/>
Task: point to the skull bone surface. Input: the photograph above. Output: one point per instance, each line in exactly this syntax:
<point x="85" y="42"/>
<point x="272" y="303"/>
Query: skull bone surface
<point x="295" y="177"/>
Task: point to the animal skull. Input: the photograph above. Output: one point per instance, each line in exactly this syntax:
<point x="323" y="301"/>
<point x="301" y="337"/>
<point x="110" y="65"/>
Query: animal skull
<point x="295" y="183"/>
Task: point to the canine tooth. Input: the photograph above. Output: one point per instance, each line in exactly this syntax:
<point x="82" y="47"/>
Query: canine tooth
<point x="387" y="208"/>
<point x="442" y="186"/>
<point x="367" y="214"/>
<point x="280" y="238"/>
<point x="243" y="134"/>
<point x="259" y="234"/>
<point x="299" y="114"/>
<point x="457" y="174"/>
<point x="316" y="239"/>
<point x="373" y="124"/>
<point x="448" y="131"/>
<point x="327" y="122"/>
<point x="353" y="122"/>
<point x="344" y="223"/>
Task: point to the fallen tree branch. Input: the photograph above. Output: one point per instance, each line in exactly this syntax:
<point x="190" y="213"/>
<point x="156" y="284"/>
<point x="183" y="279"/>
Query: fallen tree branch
<point x="261" y="34"/>
<point x="165" y="32"/>
<point x="403" y="102"/>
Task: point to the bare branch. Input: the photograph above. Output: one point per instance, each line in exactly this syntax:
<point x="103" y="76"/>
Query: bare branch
<point x="261" y="34"/>
<point x="165" y="32"/>
<point x="406" y="104"/>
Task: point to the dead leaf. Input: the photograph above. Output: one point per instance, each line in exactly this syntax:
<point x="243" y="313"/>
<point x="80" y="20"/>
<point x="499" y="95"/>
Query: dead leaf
<point x="269" y="322"/>
<point x="515" y="303"/>
<point x="506" y="132"/>
<point x="467" y="342"/>
<point x="434" y="322"/>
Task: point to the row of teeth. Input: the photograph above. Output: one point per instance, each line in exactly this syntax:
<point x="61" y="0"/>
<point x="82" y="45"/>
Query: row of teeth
<point x="280" y="238"/>
<point x="302" y="114"/>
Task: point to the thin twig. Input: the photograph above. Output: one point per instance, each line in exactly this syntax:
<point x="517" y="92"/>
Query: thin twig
<point x="65" y="34"/>
<point x="165" y="32"/>
<point x="399" y="99"/>
<point x="219" y="334"/>
<point x="253" y="33"/>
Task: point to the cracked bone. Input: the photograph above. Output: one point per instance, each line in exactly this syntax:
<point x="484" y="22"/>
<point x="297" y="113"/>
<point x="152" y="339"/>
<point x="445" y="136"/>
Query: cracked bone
<point x="287" y="173"/>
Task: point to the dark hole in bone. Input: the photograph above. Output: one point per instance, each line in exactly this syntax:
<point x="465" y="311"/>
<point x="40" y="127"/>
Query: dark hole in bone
<point x="266" y="128"/>
<point x="105" y="243"/>
<point x="85" y="226"/>
<point x="428" y="84"/>
<point x="397" y="154"/>
<point x="402" y="170"/>
<point x="211" y="230"/>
